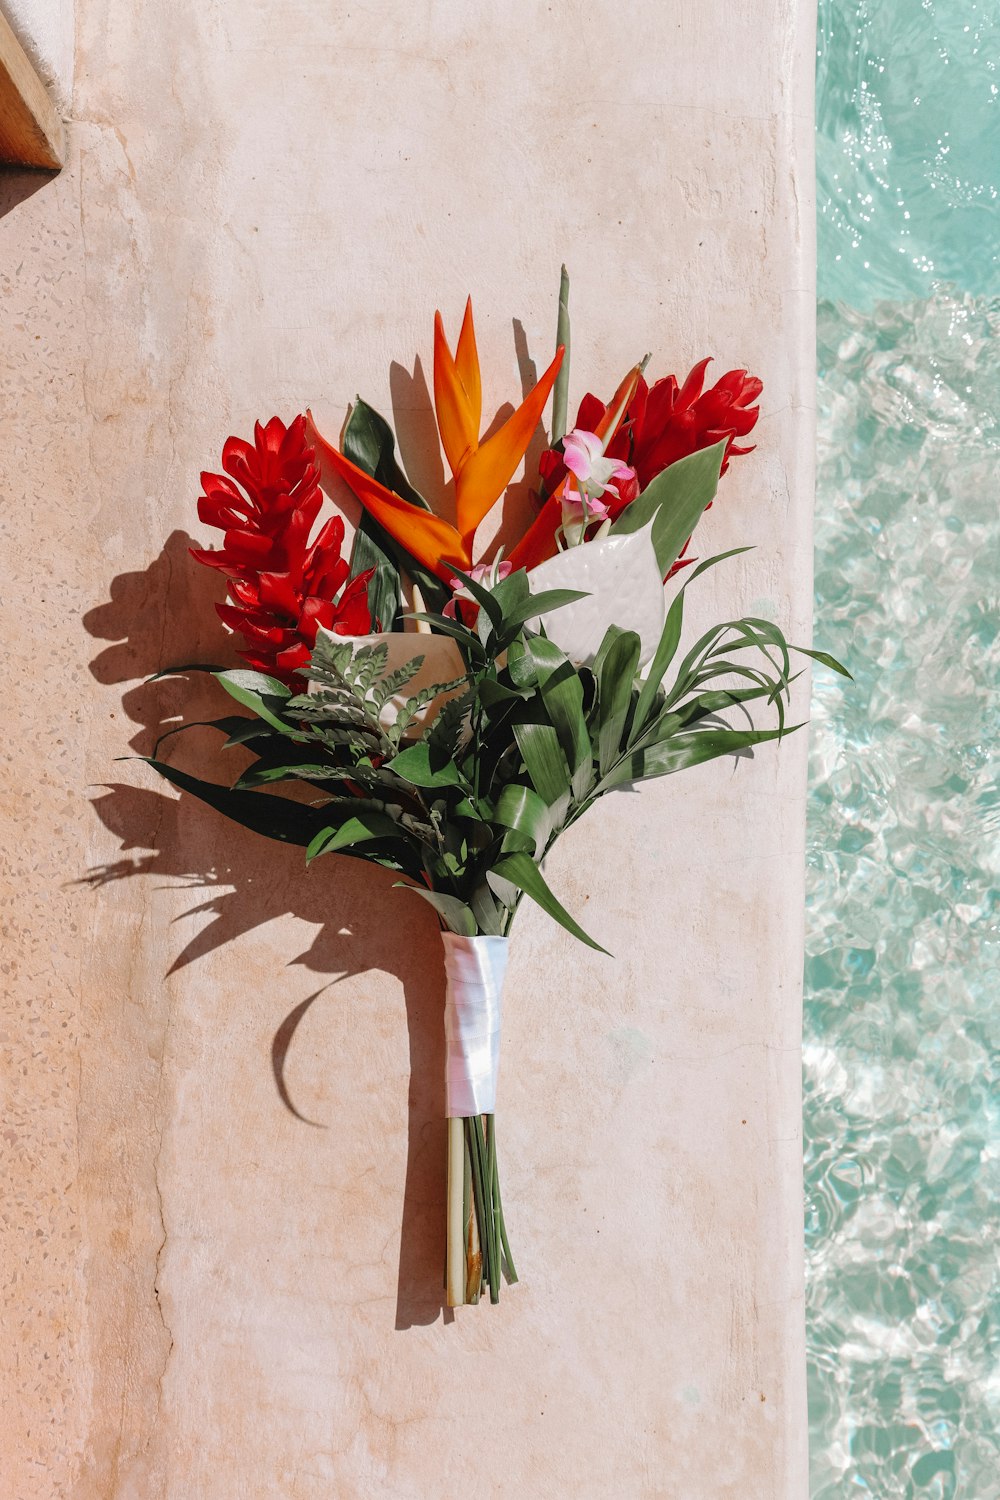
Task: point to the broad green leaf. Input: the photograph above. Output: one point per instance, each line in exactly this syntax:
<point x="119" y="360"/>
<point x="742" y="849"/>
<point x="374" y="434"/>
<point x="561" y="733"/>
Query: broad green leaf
<point x="414" y="765"/>
<point x="521" y="808"/>
<point x="512" y="590"/>
<point x="265" y="695"/>
<point x="674" y="501"/>
<point x="489" y="918"/>
<point x="369" y="442"/>
<point x="521" y="871"/>
<point x="562" y="695"/>
<point x="360" y="829"/>
<point x="456" y="916"/>
<point x="544" y="760"/>
<point x="615" y="677"/>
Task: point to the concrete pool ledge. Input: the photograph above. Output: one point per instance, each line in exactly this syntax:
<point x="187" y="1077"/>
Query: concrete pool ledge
<point x="224" y="1162"/>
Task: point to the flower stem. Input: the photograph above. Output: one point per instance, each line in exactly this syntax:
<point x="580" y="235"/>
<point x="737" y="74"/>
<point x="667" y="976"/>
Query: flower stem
<point x="455" y="1273"/>
<point x="473" y="1246"/>
<point x="498" y="1213"/>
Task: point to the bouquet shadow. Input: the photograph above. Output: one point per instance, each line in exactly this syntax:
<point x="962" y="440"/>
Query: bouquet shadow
<point x="160" y="836"/>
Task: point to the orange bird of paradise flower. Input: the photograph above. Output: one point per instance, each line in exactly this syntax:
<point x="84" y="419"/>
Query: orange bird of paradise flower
<point x="482" y="471"/>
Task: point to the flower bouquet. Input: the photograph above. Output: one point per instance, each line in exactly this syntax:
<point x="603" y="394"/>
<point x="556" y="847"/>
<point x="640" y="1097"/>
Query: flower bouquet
<point x="447" y="710"/>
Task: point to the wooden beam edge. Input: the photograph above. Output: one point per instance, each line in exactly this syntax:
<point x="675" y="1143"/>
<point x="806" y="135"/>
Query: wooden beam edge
<point x="31" y="132"/>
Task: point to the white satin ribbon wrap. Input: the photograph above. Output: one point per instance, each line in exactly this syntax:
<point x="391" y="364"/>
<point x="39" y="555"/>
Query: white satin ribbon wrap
<point x="475" y="968"/>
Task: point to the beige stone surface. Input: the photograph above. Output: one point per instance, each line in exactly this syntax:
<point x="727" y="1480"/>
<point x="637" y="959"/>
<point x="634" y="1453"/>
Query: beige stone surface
<point x="222" y="1205"/>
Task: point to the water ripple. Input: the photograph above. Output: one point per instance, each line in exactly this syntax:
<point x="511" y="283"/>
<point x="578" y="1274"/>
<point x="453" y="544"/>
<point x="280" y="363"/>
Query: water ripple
<point x="903" y="951"/>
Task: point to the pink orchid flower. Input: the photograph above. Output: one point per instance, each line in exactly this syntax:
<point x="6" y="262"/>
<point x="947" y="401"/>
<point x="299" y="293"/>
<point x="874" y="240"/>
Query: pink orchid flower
<point x="582" y="503"/>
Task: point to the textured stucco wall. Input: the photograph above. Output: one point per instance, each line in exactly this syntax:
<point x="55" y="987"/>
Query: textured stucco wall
<point x="205" y="1294"/>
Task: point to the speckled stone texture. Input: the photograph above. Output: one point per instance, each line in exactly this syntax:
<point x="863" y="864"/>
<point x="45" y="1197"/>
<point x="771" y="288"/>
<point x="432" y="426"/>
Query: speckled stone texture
<point x="222" y="1144"/>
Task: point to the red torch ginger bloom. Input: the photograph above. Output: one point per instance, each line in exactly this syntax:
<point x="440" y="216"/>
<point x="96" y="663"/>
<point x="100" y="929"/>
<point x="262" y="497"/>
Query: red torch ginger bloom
<point x="282" y="586"/>
<point x="667" y="421"/>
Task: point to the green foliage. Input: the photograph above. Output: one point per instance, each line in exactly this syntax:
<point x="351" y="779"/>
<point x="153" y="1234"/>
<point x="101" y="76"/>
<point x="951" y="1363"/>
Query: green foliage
<point x="465" y="808"/>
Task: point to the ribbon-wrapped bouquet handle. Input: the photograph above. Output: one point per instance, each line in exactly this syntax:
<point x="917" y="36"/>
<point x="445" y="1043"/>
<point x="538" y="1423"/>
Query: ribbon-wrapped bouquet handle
<point x="478" y="1252"/>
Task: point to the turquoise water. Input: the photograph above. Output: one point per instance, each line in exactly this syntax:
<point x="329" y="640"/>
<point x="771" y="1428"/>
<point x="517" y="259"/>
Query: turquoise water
<point x="903" y="940"/>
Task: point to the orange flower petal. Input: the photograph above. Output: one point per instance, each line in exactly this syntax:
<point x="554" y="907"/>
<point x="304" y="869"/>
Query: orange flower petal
<point x="487" y="472"/>
<point x="426" y="537"/>
<point x="467" y="365"/>
<point x="455" y="416"/>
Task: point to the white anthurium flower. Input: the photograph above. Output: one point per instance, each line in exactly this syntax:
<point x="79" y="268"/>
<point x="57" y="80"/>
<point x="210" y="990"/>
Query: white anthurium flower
<point x="622" y="579"/>
<point x="442" y="662"/>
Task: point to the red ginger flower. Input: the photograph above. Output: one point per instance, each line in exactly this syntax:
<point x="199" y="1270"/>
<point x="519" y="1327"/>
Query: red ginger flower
<point x="282" y="586"/>
<point x="667" y="421"/>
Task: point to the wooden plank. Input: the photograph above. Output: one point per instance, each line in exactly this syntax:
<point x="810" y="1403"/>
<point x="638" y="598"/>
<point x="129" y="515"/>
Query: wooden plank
<point x="31" y="132"/>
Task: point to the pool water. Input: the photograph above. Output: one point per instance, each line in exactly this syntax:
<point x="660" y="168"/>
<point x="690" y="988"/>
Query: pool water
<point x="902" y="1016"/>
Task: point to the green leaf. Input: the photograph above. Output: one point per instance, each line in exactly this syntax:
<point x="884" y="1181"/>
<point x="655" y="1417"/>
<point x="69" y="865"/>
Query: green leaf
<point x="679" y="751"/>
<point x="243" y="729"/>
<point x="263" y="773"/>
<point x="521" y="808"/>
<point x="274" y="817"/>
<point x="360" y="829"/>
<point x="562" y="695"/>
<point x="825" y="660"/>
<point x="615" y="676"/>
<point x="542" y="604"/>
<point x="712" y="562"/>
<point x="544" y="760"/>
<point x="191" y="666"/>
<point x="656" y="671"/>
<point x="265" y="695"/>
<point x="560" y="390"/>
<point x="512" y="590"/>
<point x="674" y="501"/>
<point x="486" y="912"/>
<point x="414" y="765"/>
<point x="456" y="916"/>
<point x="522" y="872"/>
<point x="369" y="442"/>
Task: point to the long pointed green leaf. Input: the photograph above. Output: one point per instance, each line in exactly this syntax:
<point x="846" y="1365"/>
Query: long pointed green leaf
<point x="457" y="917"/>
<point x="657" y="669"/>
<point x="274" y="817"/>
<point x="616" y="675"/>
<point x="521" y="871"/>
<point x="560" y="390"/>
<point x="825" y="660"/>
<point x="680" y="751"/>
<point x="544" y="759"/>
<point x="361" y="829"/>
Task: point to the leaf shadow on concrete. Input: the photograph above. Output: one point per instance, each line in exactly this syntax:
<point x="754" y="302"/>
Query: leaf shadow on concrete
<point x="161" y="615"/>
